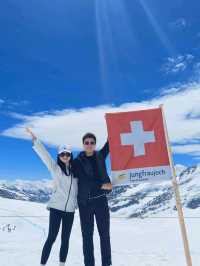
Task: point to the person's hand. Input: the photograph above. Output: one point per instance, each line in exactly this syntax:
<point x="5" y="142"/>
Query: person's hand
<point x="28" y="130"/>
<point x="107" y="186"/>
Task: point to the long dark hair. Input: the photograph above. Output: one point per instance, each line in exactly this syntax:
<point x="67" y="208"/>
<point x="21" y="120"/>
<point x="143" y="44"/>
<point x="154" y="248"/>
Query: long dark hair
<point x="63" y="165"/>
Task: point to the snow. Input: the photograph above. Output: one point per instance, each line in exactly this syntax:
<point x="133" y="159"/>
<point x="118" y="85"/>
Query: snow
<point x="150" y="238"/>
<point x="180" y="168"/>
<point x="152" y="241"/>
<point x="153" y="199"/>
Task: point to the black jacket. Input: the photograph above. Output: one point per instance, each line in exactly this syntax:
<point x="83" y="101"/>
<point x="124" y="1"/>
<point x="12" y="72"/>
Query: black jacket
<point x="84" y="172"/>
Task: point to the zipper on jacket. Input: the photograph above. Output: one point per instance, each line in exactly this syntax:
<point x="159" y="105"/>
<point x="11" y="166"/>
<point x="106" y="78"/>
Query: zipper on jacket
<point x="68" y="194"/>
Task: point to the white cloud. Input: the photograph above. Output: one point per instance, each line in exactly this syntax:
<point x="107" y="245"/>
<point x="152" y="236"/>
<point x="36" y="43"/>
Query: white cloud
<point x="19" y="103"/>
<point x="182" y="110"/>
<point x="179" y="23"/>
<point x="11" y="105"/>
<point x="177" y="64"/>
<point x="171" y="90"/>
<point x="191" y="149"/>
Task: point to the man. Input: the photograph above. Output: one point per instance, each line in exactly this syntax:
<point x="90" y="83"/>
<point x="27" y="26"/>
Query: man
<point x="93" y="184"/>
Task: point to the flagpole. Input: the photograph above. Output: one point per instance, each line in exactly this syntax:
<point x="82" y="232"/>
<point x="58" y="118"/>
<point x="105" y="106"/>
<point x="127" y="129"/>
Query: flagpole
<point x="177" y="195"/>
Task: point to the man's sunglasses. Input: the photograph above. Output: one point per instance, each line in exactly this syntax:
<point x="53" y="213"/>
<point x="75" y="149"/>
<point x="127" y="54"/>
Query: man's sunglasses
<point x="63" y="154"/>
<point x="89" y="143"/>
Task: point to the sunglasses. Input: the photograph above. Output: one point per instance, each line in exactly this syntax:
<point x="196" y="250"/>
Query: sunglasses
<point x="63" y="154"/>
<point x="89" y="143"/>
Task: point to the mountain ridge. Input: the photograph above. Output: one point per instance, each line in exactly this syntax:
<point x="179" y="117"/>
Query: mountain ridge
<point x="129" y="201"/>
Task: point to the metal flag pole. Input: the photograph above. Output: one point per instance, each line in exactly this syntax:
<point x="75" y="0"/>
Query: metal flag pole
<point x="177" y="195"/>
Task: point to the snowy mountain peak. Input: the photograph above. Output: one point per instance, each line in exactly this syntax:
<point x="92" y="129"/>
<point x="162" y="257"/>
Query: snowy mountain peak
<point x="38" y="191"/>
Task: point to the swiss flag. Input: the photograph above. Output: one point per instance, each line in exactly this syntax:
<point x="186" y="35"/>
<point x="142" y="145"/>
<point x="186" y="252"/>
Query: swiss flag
<point x="137" y="140"/>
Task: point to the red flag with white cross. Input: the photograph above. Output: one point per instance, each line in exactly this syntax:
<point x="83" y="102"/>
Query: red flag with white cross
<point x="138" y="147"/>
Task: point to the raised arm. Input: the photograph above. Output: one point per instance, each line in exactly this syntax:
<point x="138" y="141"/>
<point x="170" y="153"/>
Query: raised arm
<point x="43" y="153"/>
<point x="105" y="150"/>
<point x="107" y="186"/>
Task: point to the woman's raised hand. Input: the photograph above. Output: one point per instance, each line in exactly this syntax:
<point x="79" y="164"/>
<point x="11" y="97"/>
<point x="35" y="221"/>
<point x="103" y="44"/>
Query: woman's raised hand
<point x="28" y="130"/>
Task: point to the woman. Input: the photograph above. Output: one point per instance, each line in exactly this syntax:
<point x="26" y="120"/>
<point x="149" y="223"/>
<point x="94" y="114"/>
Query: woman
<point x="63" y="201"/>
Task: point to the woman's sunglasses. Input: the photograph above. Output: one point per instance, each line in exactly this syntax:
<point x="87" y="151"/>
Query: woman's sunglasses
<point x="89" y="143"/>
<point x="63" y="154"/>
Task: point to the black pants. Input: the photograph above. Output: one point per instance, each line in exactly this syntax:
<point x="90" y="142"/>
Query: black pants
<point x="55" y="218"/>
<point x="99" y="209"/>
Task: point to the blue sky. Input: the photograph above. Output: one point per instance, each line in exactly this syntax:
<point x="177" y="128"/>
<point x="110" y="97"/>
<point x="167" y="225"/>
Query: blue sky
<point x="64" y="64"/>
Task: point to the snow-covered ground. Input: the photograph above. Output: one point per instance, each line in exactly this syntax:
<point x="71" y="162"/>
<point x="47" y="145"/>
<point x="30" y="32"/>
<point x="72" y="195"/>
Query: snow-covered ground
<point x="135" y="242"/>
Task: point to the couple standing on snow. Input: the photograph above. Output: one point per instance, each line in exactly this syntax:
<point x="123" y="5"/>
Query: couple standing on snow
<point x="82" y="181"/>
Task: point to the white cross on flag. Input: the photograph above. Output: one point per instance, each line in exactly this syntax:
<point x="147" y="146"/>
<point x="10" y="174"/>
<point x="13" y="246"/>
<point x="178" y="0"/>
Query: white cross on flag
<point x="138" y="147"/>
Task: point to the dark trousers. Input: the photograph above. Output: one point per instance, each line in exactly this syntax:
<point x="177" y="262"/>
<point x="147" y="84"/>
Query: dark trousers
<point x="55" y="219"/>
<point x="99" y="209"/>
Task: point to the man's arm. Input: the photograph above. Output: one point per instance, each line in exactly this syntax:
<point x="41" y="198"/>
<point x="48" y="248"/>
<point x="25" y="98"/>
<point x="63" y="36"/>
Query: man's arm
<point x="105" y="150"/>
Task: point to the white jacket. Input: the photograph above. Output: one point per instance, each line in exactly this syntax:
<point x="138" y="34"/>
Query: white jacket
<point x="65" y="188"/>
